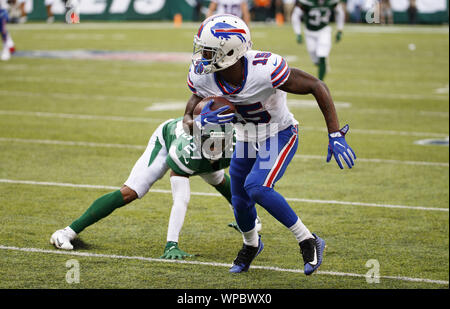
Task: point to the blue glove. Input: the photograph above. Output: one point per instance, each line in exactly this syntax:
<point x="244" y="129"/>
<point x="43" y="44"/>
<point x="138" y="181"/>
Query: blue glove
<point x="340" y="149"/>
<point x="208" y="116"/>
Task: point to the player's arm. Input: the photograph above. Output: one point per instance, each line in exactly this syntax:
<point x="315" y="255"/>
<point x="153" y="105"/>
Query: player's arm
<point x="296" y="19"/>
<point x="245" y="12"/>
<point x="211" y="9"/>
<point x="300" y="82"/>
<point x="188" y="119"/>
<point x="340" y="20"/>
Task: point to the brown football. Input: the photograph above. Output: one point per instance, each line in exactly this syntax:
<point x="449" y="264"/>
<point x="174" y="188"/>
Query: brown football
<point x="218" y="103"/>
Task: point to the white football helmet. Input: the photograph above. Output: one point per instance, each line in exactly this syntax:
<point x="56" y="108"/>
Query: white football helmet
<point x="219" y="43"/>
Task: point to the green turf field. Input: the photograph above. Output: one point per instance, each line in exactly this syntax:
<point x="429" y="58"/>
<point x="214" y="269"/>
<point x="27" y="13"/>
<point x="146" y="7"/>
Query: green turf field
<point x="71" y="130"/>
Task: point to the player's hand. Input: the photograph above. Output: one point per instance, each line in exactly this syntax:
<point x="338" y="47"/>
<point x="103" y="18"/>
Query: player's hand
<point x="338" y="36"/>
<point x="208" y="116"/>
<point x="339" y="148"/>
<point x="172" y="252"/>
<point x="299" y="39"/>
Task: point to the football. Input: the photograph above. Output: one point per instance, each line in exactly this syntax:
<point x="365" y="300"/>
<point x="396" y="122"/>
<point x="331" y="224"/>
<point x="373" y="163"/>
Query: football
<point x="218" y="103"/>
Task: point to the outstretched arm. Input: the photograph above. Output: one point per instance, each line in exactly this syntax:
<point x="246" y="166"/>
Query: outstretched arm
<point x="300" y="82"/>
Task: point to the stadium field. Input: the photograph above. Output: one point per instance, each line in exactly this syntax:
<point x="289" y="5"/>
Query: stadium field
<point x="78" y="104"/>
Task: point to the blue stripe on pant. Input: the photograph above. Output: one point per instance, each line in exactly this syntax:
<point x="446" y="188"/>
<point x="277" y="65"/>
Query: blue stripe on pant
<point x="253" y="173"/>
<point x="3" y="21"/>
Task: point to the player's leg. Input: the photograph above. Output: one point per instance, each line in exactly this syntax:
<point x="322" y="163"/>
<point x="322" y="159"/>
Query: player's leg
<point x="221" y="182"/>
<point x="267" y="170"/>
<point x="311" y="45"/>
<point x="150" y="167"/>
<point x="244" y="208"/>
<point x="6" y="38"/>
<point x="180" y="194"/>
<point x="323" y="50"/>
<point x="48" y="6"/>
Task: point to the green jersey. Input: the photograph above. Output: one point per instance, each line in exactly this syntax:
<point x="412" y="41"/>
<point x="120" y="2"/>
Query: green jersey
<point x="183" y="158"/>
<point x="317" y="13"/>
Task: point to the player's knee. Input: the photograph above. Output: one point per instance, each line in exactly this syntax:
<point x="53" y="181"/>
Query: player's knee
<point x="239" y="203"/>
<point x="257" y="192"/>
<point x="128" y="194"/>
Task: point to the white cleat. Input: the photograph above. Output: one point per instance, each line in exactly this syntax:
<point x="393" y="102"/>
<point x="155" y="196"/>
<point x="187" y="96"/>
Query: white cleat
<point x="61" y="239"/>
<point x="6" y="54"/>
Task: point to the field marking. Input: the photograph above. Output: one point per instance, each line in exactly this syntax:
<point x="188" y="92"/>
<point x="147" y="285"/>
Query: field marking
<point x="352" y="94"/>
<point x="123" y="25"/>
<point x="142" y="147"/>
<point x="214" y="264"/>
<point x="81" y="116"/>
<point x="290" y="199"/>
<point x="142" y="119"/>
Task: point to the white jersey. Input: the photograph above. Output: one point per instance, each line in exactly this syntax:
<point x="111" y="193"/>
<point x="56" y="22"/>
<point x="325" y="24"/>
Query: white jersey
<point x="261" y="108"/>
<point x="232" y="7"/>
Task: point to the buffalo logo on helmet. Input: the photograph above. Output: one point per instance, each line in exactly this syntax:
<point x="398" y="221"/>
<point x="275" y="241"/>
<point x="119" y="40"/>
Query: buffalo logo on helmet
<point x="226" y="31"/>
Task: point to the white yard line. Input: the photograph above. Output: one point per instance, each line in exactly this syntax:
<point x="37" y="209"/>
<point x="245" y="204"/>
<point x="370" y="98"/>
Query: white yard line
<point x="149" y="119"/>
<point x="141" y="147"/>
<point x="168" y="25"/>
<point x="213" y="264"/>
<point x="290" y="199"/>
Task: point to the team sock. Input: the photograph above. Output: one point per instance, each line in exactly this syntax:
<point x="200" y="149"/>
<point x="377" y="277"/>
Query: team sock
<point x="322" y="68"/>
<point x="251" y="238"/>
<point x="300" y="231"/>
<point x="99" y="209"/>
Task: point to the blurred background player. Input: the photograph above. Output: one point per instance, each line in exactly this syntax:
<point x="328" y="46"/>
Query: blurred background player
<point x="48" y="6"/>
<point x="169" y="148"/>
<point x="7" y="42"/>
<point x="317" y="16"/>
<point x="386" y="14"/>
<point x="238" y="8"/>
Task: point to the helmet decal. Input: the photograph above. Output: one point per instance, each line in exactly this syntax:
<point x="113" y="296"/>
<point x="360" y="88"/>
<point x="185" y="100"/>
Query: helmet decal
<point x="225" y="31"/>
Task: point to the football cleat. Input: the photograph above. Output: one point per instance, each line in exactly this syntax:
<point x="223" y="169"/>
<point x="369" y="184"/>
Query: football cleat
<point x="312" y="252"/>
<point x="245" y="257"/>
<point x="61" y="239"/>
<point x="172" y="252"/>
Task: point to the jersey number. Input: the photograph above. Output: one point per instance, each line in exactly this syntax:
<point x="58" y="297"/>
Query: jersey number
<point x="262" y="58"/>
<point x="253" y="113"/>
<point x="318" y="16"/>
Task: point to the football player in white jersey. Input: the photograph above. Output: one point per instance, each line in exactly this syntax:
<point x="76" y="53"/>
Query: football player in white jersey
<point x="256" y="82"/>
<point x="7" y="42"/>
<point x="238" y="8"/>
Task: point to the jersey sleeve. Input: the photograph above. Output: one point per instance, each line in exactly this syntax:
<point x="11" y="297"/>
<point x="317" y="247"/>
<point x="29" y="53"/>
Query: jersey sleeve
<point x="197" y="84"/>
<point x="190" y="83"/>
<point x="279" y="70"/>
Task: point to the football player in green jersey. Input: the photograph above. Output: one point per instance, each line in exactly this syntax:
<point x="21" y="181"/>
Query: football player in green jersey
<point x="169" y="148"/>
<point x="317" y="15"/>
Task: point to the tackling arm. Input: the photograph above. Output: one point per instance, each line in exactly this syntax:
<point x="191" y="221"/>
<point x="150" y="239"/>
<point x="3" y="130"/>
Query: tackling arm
<point x="300" y="82"/>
